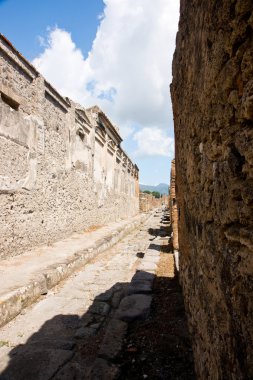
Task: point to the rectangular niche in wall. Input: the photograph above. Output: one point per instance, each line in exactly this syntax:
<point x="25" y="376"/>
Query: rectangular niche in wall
<point x="81" y="154"/>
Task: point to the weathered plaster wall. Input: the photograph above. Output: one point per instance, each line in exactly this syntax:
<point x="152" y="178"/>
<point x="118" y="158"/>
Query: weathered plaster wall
<point x="212" y="94"/>
<point x="59" y="162"/>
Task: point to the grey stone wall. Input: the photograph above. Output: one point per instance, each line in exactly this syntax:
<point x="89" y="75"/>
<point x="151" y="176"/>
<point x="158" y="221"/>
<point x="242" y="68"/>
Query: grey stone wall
<point x="212" y="94"/>
<point x="62" y="168"/>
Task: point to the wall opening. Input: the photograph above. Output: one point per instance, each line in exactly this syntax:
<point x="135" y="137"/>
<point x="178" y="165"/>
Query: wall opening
<point x="9" y="101"/>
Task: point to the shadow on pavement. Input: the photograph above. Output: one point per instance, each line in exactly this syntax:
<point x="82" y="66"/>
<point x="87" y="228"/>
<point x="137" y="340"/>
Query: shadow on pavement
<point x="66" y="346"/>
<point x="95" y="346"/>
<point x="160" y="347"/>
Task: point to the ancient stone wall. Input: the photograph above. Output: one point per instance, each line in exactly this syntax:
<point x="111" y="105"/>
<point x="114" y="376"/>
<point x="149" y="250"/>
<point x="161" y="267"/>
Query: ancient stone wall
<point x="149" y="202"/>
<point x="174" y="213"/>
<point x="61" y="168"/>
<point x="173" y="207"/>
<point x="212" y="93"/>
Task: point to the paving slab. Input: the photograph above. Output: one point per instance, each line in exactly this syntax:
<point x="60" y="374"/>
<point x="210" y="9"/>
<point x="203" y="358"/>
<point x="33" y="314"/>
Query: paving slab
<point x="148" y="266"/>
<point x="139" y="287"/>
<point x="143" y="276"/>
<point x="103" y="370"/>
<point x="38" y="364"/>
<point x="113" y="340"/>
<point x="101" y="308"/>
<point x="136" y="306"/>
<point x="71" y="371"/>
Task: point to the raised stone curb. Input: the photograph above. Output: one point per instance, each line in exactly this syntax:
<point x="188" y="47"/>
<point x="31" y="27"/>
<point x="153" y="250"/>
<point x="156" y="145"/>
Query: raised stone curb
<point x="12" y="303"/>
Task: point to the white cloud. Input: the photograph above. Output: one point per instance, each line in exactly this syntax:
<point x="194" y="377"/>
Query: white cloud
<point x="153" y="142"/>
<point x="64" y="66"/>
<point x="127" y="71"/>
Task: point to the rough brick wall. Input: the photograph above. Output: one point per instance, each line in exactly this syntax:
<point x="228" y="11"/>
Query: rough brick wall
<point x="173" y="206"/>
<point x="62" y="168"/>
<point x="212" y="93"/>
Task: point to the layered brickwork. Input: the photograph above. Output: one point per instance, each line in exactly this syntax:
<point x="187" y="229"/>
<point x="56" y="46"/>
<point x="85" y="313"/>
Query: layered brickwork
<point x="212" y="94"/>
<point x="62" y="168"/>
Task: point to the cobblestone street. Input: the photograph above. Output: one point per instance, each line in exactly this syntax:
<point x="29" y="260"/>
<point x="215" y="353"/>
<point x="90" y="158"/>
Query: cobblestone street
<point x="78" y="330"/>
<point x="47" y="339"/>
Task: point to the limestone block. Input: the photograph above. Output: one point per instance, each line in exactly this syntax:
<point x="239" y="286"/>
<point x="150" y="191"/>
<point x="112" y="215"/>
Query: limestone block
<point x="133" y="307"/>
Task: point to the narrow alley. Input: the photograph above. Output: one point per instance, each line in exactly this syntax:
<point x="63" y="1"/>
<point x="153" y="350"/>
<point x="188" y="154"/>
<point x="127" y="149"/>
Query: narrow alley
<point x="98" y="323"/>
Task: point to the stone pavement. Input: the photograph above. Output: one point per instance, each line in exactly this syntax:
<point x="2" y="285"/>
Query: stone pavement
<point x="76" y="331"/>
<point x="24" y="278"/>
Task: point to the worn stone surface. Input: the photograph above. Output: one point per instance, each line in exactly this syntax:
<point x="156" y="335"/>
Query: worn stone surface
<point x="37" y="364"/>
<point x="143" y="276"/>
<point x="56" y="262"/>
<point x="135" y="306"/>
<point x="117" y="297"/>
<point x="63" y="320"/>
<point x="103" y="370"/>
<point x="71" y="371"/>
<point x="85" y="332"/>
<point x="101" y="308"/>
<point x="148" y="266"/>
<point x="62" y="168"/>
<point x="212" y="103"/>
<point x="139" y="287"/>
<point x="113" y="340"/>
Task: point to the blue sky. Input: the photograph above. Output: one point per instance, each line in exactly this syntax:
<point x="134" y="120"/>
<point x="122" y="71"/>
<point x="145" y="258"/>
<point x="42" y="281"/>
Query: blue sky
<point x="22" y="21"/>
<point x="110" y="53"/>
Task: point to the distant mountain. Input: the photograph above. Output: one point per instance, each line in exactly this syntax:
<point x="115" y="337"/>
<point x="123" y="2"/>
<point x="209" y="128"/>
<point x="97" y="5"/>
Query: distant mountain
<point x="162" y="188"/>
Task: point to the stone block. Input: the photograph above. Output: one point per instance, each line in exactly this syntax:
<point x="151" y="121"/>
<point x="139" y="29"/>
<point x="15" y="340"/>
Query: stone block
<point x="85" y="332"/>
<point x="117" y="297"/>
<point x="36" y="364"/>
<point x="112" y="343"/>
<point x="100" y="308"/>
<point x="143" y="276"/>
<point x="139" y="287"/>
<point x="103" y="370"/>
<point x="71" y="371"/>
<point x="133" y="307"/>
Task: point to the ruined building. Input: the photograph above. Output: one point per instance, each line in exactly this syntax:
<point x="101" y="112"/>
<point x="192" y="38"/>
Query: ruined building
<point x="62" y="168"/>
<point x="212" y="93"/>
<point x="149" y="202"/>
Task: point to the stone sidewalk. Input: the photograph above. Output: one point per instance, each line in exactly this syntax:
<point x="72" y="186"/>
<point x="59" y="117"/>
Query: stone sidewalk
<point x="77" y="329"/>
<point x="24" y="278"/>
